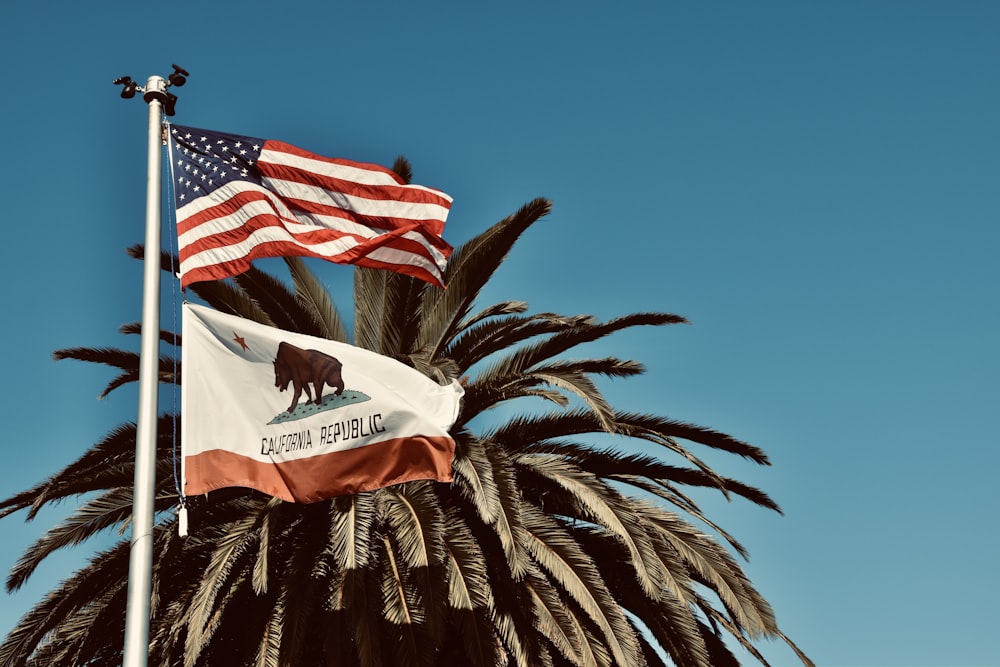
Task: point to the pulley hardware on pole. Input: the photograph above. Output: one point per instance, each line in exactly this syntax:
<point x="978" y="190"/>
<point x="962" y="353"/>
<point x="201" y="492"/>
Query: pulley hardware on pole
<point x="140" y="569"/>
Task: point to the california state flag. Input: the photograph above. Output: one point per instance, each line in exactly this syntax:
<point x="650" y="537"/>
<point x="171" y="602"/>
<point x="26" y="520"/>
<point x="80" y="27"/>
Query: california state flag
<point x="303" y="418"/>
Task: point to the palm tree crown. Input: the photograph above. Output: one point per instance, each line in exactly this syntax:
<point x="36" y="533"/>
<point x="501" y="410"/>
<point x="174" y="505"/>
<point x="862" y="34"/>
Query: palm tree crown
<point x="547" y="549"/>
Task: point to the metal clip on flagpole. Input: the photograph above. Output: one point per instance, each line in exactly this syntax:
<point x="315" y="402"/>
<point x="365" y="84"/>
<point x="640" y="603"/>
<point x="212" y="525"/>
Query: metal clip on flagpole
<point x="140" y="567"/>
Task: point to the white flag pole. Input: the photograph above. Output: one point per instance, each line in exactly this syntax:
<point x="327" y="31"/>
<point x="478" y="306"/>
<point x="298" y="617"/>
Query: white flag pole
<point x="140" y="570"/>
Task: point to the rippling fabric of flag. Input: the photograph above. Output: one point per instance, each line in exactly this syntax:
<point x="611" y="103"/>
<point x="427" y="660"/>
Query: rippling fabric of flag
<point x="239" y="198"/>
<point x="304" y="418"/>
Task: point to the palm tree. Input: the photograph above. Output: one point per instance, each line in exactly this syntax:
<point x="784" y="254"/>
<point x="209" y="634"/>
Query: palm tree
<point x="547" y="549"/>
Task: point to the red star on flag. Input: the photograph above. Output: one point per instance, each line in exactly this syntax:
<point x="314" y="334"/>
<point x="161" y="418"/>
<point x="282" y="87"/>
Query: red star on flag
<point x="241" y="340"/>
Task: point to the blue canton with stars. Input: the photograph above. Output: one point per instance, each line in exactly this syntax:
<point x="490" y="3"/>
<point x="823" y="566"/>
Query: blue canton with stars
<point x="204" y="161"/>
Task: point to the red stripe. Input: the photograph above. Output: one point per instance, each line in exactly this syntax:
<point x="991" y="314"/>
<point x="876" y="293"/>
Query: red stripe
<point x="231" y="237"/>
<point x="313" y="237"/>
<point x="282" y="147"/>
<point x="327" y="475"/>
<point x="224" y="208"/>
<point x="402" y="192"/>
<point x="317" y="235"/>
<point x="230" y="268"/>
<point x="431" y="226"/>
<point x="241" y="198"/>
<point x="377" y="192"/>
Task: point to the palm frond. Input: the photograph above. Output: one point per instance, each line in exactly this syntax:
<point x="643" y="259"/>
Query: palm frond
<point x="228" y="297"/>
<point x="667" y="616"/>
<point x="468" y="270"/>
<point x="400" y="608"/>
<point x="507" y="525"/>
<point x="277" y="301"/>
<point x="632" y="468"/>
<point x="478" y="341"/>
<point x="231" y="553"/>
<point x="169" y="367"/>
<point x="108" y="464"/>
<point x="557" y="625"/>
<point x="386" y="311"/>
<point x="66" y="601"/>
<point x="715" y="568"/>
<point x="111" y="508"/>
<point x="468" y="585"/>
<point x="497" y="309"/>
<point x="562" y="558"/>
<point x="415" y="520"/>
<point x="269" y="649"/>
<point x="350" y="537"/>
<point x="669" y="428"/>
<point x="316" y="300"/>
<point x="563" y="484"/>
<point x="403" y="169"/>
<point x="135" y="328"/>
<point x="473" y="473"/>
<point x="526" y="357"/>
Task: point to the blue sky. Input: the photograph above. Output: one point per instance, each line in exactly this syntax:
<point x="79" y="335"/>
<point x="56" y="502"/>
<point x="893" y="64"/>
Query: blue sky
<point x="813" y="185"/>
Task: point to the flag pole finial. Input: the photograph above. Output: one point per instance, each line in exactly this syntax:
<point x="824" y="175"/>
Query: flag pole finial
<point x="155" y="88"/>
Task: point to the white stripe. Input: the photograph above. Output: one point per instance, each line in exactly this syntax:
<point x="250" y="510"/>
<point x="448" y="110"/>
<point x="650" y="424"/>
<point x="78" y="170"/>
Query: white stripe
<point x="221" y="254"/>
<point x="223" y="194"/>
<point x="382" y="208"/>
<point x="332" y="222"/>
<point x="395" y="256"/>
<point x="299" y="223"/>
<point x="296" y="223"/>
<point x="356" y="172"/>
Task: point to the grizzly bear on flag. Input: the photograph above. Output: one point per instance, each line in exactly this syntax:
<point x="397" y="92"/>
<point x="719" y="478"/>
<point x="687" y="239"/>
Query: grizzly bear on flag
<point x="300" y="367"/>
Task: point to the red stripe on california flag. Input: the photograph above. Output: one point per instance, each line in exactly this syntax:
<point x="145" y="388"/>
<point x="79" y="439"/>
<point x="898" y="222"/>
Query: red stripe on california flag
<point x="333" y="474"/>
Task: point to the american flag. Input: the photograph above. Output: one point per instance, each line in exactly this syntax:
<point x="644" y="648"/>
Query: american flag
<point x="239" y="198"/>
